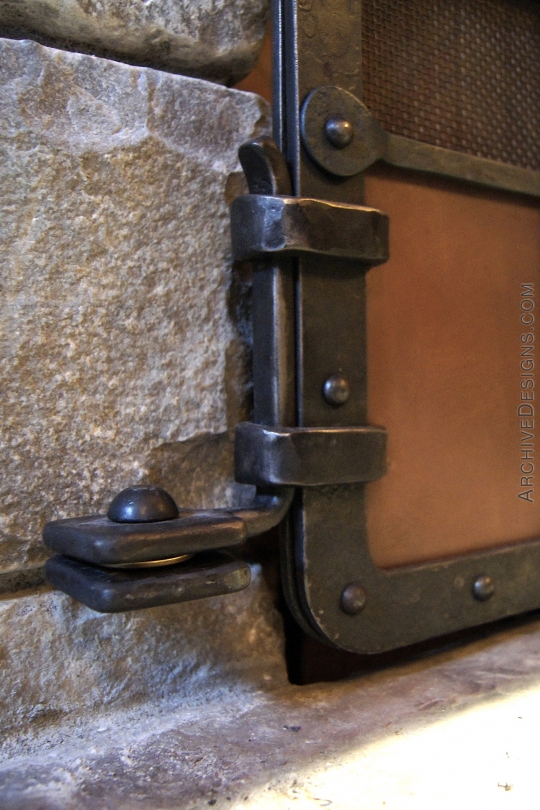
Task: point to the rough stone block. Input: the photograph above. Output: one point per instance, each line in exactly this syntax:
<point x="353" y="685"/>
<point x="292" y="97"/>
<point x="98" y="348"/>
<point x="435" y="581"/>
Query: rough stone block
<point x="62" y="663"/>
<point x="213" y="39"/>
<point x="123" y="335"/>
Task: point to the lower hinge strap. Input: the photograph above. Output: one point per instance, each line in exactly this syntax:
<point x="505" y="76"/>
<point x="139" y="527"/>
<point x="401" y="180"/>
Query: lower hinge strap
<point x="308" y="457"/>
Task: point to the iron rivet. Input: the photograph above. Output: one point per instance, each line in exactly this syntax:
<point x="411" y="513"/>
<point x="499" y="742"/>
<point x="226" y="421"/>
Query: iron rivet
<point x="142" y="504"/>
<point x="336" y="390"/>
<point x="339" y="132"/>
<point x="483" y="588"/>
<point x="353" y="599"/>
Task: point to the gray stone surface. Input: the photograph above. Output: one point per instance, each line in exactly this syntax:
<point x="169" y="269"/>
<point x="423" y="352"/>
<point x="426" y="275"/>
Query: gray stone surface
<point x="457" y="729"/>
<point x="63" y="666"/>
<point x="124" y="337"/>
<point x="212" y="39"/>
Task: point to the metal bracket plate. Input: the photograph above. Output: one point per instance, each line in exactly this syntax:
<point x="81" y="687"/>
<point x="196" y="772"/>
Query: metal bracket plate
<point x="115" y="591"/>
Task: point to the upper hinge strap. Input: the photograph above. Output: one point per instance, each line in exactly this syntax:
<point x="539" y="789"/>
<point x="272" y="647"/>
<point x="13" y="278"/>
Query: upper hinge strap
<point x="264" y="225"/>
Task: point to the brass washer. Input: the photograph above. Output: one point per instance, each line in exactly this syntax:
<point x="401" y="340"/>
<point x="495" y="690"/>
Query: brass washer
<point x="153" y="563"/>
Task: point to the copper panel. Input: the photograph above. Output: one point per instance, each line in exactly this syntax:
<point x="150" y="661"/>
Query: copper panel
<point x="444" y="367"/>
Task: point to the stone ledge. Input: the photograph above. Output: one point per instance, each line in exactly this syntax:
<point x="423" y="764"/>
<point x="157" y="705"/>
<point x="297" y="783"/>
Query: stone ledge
<point x="457" y="729"/>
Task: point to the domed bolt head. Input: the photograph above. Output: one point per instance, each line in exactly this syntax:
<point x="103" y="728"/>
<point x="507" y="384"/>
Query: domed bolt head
<point x="339" y="132"/>
<point x="483" y="588"/>
<point x="142" y="504"/>
<point x="336" y="390"/>
<point x="353" y="599"/>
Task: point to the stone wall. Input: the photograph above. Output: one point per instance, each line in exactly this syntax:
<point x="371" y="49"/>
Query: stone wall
<point x="63" y="666"/>
<point x="124" y="337"/>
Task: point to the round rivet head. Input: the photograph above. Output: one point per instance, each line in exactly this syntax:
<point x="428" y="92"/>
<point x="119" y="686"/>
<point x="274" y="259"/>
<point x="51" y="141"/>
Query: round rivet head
<point x="353" y="599"/>
<point x="142" y="504"/>
<point x="336" y="390"/>
<point x="483" y="588"/>
<point x="339" y="132"/>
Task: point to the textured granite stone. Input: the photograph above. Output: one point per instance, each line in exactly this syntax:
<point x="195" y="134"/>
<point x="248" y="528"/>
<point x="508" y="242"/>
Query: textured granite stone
<point x="62" y="663"/>
<point x="213" y="39"/>
<point x="123" y="335"/>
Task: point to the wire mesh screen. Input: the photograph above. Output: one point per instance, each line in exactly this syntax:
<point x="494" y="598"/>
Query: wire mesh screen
<point x="462" y="74"/>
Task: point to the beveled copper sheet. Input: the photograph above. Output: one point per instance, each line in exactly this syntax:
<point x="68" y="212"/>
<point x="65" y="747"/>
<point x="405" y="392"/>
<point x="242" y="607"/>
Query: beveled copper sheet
<point x="444" y="364"/>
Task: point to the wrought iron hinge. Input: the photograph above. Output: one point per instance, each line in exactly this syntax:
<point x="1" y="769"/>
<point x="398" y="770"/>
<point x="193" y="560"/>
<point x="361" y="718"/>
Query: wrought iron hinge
<point x="309" y="450"/>
<point x="146" y="551"/>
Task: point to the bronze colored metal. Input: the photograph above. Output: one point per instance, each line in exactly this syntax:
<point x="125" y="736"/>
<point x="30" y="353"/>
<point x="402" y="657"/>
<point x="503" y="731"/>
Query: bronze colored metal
<point x="444" y="354"/>
<point x="153" y="563"/>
